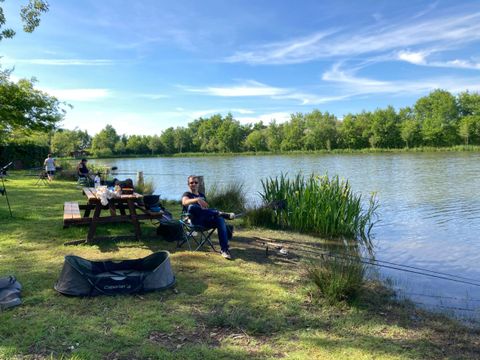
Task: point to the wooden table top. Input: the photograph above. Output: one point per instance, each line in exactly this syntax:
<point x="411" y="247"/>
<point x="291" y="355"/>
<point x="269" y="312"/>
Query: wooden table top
<point x="91" y="194"/>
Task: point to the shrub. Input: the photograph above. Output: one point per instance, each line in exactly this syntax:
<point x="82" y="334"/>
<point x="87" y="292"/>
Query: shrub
<point x="338" y="277"/>
<point x="231" y="197"/>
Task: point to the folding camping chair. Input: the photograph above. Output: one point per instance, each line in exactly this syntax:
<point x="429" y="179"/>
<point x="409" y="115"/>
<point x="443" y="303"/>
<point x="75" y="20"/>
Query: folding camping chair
<point x="42" y="178"/>
<point x="196" y="234"/>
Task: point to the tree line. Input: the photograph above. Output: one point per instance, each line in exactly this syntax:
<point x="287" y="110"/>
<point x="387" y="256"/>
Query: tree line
<point x="438" y="119"/>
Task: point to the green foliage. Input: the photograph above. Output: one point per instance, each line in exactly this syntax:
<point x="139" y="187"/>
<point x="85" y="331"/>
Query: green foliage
<point x="469" y="129"/>
<point x="30" y="15"/>
<point x="339" y="277"/>
<point x="438" y="115"/>
<point x="230" y="198"/>
<point x="25" y="108"/>
<point x="103" y="143"/>
<point x="437" y="120"/>
<point x="320" y="205"/>
<point x="260" y="216"/>
<point x="147" y="188"/>
<point x="66" y="142"/>
<point x="23" y="155"/>
<point x="256" y="141"/>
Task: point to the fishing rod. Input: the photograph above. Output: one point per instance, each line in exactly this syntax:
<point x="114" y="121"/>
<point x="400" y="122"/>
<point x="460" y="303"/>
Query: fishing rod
<point x="417" y="268"/>
<point x="147" y="174"/>
<point x="372" y="262"/>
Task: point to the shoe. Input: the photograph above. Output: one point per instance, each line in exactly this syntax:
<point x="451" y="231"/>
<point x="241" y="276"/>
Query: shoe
<point x="226" y="254"/>
<point x="228" y="216"/>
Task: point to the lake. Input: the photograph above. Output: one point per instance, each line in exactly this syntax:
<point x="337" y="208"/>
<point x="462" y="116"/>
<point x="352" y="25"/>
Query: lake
<point x="429" y="209"/>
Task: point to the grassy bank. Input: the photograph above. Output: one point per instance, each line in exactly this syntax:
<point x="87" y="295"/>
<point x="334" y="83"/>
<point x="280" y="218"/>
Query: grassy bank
<point x="254" y="307"/>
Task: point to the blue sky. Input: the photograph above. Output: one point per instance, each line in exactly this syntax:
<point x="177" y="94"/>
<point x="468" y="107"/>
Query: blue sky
<point x="143" y="66"/>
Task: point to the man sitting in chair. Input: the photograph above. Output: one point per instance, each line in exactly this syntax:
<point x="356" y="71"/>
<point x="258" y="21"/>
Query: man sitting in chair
<point x="194" y="202"/>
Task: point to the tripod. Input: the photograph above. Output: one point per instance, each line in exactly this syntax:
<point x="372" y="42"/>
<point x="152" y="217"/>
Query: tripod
<point x="3" y="189"/>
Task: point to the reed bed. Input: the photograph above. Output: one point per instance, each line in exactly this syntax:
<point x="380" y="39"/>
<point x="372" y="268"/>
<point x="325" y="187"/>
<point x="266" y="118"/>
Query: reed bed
<point x="230" y="197"/>
<point x="320" y="205"/>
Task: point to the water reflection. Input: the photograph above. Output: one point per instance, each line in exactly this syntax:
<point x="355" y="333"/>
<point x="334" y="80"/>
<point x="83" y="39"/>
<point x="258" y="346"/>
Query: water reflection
<point x="429" y="207"/>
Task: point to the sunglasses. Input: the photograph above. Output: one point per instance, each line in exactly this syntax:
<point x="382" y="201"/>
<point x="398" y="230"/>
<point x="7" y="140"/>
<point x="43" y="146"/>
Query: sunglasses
<point x="193" y="182"/>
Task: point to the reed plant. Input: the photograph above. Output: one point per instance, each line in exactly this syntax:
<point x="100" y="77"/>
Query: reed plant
<point x="230" y="197"/>
<point x="145" y="188"/>
<point x="319" y="205"/>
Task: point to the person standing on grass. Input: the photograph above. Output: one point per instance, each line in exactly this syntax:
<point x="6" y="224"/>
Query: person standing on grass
<point x="50" y="166"/>
<point x="195" y="203"/>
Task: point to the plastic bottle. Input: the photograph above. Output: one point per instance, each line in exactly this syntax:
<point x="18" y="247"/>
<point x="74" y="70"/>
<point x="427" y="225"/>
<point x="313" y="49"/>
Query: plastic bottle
<point x="97" y="181"/>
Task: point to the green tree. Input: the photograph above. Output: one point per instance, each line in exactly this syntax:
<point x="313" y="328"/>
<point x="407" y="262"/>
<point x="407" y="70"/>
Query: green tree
<point x="274" y="136"/>
<point x="469" y="129"/>
<point x="182" y="139"/>
<point x="24" y="108"/>
<point x="468" y="103"/>
<point x="256" y="141"/>
<point x="103" y="143"/>
<point x="293" y="133"/>
<point x="155" y="145"/>
<point x="65" y="142"/>
<point x="353" y="132"/>
<point x="30" y="15"/>
<point x="137" y="144"/>
<point x="168" y="140"/>
<point x="438" y="116"/>
<point x="384" y="128"/>
<point x="230" y="135"/>
<point x="409" y="127"/>
<point x="320" y="131"/>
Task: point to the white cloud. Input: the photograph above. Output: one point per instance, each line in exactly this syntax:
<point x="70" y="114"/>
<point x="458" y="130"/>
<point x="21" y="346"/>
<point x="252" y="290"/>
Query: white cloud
<point x="78" y="94"/>
<point x="253" y="88"/>
<point x="249" y="88"/>
<point x="279" y="117"/>
<point x="420" y="58"/>
<point x="61" y="62"/>
<point x="352" y="85"/>
<point x="243" y="111"/>
<point x="449" y="31"/>
<point x="151" y="96"/>
<point x="412" y="57"/>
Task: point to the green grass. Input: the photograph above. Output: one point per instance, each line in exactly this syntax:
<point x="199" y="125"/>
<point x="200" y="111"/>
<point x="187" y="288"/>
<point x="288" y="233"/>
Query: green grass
<point x="254" y="307"/>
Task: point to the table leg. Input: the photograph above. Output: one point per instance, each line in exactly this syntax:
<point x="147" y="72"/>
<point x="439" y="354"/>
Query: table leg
<point x="134" y="219"/>
<point x="93" y="224"/>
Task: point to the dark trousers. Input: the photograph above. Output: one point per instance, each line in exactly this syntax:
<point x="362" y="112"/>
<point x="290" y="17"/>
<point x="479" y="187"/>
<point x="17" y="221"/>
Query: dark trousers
<point x="209" y="218"/>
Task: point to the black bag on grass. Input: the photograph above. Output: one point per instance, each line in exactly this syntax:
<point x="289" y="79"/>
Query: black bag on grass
<point x="81" y="277"/>
<point x="9" y="292"/>
<point x="170" y="230"/>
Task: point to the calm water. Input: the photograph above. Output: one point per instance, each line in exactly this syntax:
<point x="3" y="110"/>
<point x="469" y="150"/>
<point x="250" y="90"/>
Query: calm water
<point x="429" y="209"/>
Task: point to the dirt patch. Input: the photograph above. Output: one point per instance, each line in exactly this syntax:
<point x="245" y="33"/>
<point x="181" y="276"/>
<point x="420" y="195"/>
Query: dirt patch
<point x="211" y="336"/>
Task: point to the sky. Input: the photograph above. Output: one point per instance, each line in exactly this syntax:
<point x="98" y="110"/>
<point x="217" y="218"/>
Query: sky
<point x="143" y="66"/>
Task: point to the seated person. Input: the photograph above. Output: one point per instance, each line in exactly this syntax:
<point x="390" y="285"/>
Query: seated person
<point x="194" y="202"/>
<point x="82" y="169"/>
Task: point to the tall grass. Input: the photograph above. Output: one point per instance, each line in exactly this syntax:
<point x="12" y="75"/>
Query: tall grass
<point x="339" y="278"/>
<point x="230" y="197"/>
<point x="319" y="204"/>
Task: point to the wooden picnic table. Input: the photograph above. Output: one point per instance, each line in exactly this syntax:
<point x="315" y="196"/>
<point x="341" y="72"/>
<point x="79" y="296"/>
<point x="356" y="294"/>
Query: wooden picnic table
<point x="120" y="209"/>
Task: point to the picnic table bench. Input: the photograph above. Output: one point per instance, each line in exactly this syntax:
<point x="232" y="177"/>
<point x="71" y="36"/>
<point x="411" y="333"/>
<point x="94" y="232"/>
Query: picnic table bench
<point x="121" y="209"/>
